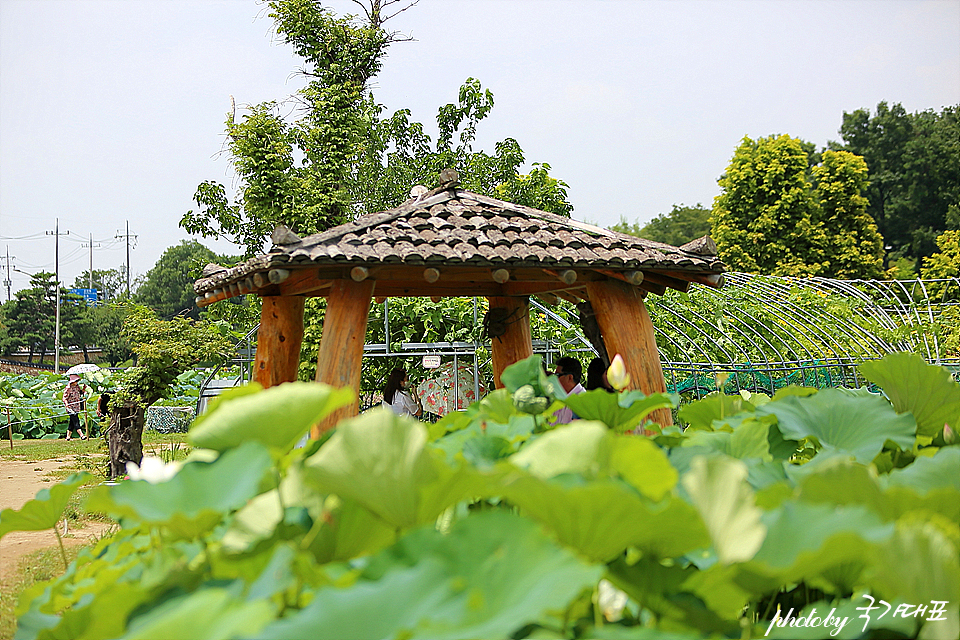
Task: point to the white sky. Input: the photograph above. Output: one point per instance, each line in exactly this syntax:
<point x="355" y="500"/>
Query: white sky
<point x="113" y="110"/>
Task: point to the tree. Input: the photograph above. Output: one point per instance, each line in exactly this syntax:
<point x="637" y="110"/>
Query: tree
<point x="763" y="221"/>
<point x="914" y="171"/>
<point x="168" y="287"/>
<point x="779" y="215"/>
<point x="676" y="228"/>
<point x="31" y="318"/>
<point x="109" y="283"/>
<point x="854" y="246"/>
<point x="164" y="350"/>
<point x="943" y="264"/>
<point x="340" y="157"/>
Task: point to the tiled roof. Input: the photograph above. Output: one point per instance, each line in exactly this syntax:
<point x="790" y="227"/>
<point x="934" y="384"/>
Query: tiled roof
<point x="457" y="228"/>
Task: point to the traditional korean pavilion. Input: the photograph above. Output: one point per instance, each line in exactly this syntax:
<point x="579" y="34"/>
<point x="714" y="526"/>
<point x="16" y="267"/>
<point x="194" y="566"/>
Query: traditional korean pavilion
<point x="451" y="242"/>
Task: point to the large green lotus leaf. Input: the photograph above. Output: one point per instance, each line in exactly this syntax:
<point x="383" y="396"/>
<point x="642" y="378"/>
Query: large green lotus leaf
<point x="859" y="425"/>
<point x="45" y="510"/>
<point x="919" y="564"/>
<point x="840" y="480"/>
<point x="490" y="575"/>
<point x="619" y="632"/>
<point x="575" y="448"/>
<point x="929" y="473"/>
<point x="716" y="406"/>
<point x="927" y="391"/>
<point x="530" y="372"/>
<point x="748" y="440"/>
<point x="195" y="499"/>
<point x="620" y="412"/>
<point x="496" y="406"/>
<point x="717" y="486"/>
<point x="602" y="518"/>
<point x="211" y="613"/>
<point x="644" y="465"/>
<point x="277" y="417"/>
<point x="379" y="459"/>
<point x="825" y="545"/>
<point x="256" y="521"/>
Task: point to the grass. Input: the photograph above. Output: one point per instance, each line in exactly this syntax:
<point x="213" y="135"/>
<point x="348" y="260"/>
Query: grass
<point x="38" y="566"/>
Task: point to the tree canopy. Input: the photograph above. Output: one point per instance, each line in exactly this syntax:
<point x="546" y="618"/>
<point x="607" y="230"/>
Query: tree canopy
<point x="341" y="156"/>
<point x="779" y="214"/>
<point x="914" y="172"/>
<point x="168" y="287"/>
<point x="676" y="228"/>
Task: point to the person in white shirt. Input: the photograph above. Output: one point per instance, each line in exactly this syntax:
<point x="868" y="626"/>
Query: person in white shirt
<point x="569" y="372"/>
<point x="397" y="394"/>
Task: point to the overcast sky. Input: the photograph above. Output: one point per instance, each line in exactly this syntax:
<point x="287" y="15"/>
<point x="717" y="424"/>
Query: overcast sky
<point x="113" y="111"/>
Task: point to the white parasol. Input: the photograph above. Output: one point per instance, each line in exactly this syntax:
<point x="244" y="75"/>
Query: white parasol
<point x="80" y="369"/>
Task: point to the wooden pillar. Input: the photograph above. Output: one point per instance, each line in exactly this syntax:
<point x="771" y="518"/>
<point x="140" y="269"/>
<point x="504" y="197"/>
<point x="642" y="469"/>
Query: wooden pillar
<point x="515" y="345"/>
<point x="628" y="330"/>
<point x="279" y="340"/>
<point x="341" y="344"/>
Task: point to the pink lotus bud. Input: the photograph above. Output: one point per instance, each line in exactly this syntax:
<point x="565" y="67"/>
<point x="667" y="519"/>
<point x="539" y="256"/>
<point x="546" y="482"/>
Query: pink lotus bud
<point x="949" y="435"/>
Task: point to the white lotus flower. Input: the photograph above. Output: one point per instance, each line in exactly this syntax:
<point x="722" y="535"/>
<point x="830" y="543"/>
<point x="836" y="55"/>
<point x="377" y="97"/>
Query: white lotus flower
<point x="617" y="374"/>
<point x="153" y="470"/>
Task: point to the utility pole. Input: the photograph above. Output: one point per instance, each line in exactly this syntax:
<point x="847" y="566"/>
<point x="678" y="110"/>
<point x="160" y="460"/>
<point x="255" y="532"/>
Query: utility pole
<point x="8" y="281"/>
<point x="127" y="236"/>
<point x="56" y="262"/>
<point x="91" y="245"/>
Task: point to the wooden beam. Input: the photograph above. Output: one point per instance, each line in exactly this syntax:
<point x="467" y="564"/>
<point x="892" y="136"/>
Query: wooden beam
<point x="279" y="340"/>
<point x="714" y="280"/>
<point x="628" y="330"/>
<point x="656" y="277"/>
<point x="630" y="277"/>
<point x="304" y="282"/>
<point x="515" y="345"/>
<point x="341" y="344"/>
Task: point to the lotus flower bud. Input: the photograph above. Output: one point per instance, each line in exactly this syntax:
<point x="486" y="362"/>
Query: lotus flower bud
<point x="617" y="374"/>
<point x="949" y="435"/>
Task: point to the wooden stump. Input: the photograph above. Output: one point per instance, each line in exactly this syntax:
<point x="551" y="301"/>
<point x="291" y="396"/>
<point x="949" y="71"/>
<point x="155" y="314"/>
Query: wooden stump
<point x="628" y="330"/>
<point x="279" y="340"/>
<point x="341" y="344"/>
<point x="124" y="439"/>
<point x="515" y="345"/>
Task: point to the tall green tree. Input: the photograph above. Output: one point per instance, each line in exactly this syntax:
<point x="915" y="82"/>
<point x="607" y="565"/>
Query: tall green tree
<point x="914" y="171"/>
<point x="678" y="227"/>
<point x="764" y="220"/>
<point x="780" y="214"/>
<point x="168" y="287"/>
<point x="341" y="157"/>
<point x="854" y="247"/>
<point x="31" y="318"/>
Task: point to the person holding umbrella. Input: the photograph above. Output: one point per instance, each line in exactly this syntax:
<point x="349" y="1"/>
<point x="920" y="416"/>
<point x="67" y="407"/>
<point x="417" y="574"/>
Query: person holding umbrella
<point x="73" y="398"/>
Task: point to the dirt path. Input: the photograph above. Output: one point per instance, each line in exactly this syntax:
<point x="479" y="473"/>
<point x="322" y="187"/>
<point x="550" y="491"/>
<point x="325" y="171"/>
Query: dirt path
<point x="19" y="483"/>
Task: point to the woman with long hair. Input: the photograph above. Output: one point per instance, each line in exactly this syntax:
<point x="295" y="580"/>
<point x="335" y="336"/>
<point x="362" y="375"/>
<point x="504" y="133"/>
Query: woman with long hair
<point x="597" y="376"/>
<point x="398" y="396"/>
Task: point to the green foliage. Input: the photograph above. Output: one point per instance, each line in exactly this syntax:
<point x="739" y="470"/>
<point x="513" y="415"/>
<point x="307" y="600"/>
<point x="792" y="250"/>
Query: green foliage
<point x="341" y="157"/>
<point x="785" y="210"/>
<point x="480" y="527"/>
<point x="164" y="350"/>
<point x="914" y="162"/>
<point x="168" y="287"/>
<point x="945" y="263"/>
<point x="676" y="228"/>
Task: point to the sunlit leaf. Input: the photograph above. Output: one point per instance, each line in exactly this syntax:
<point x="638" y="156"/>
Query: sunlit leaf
<point x="211" y="613"/>
<point x="620" y="412"/>
<point x="718" y="488"/>
<point x="195" y="499"/>
<point x="379" y="459"/>
<point x="44" y="511"/>
<point x="277" y="417"/>
<point x="927" y="391"/>
<point x="716" y="406"/>
<point x="858" y="425"/>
